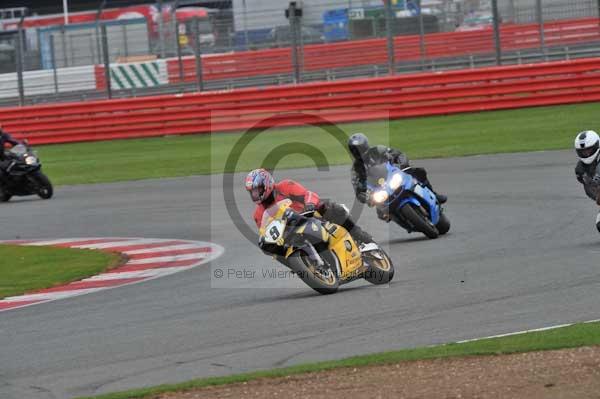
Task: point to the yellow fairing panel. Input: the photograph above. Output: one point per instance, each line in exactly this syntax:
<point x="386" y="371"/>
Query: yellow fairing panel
<point x="345" y="248"/>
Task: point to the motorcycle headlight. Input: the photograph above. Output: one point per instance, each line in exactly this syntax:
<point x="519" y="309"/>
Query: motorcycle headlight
<point x="30" y="160"/>
<point x="396" y="181"/>
<point x="380" y="196"/>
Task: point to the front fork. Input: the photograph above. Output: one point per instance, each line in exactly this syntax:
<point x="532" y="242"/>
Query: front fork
<point x="310" y="250"/>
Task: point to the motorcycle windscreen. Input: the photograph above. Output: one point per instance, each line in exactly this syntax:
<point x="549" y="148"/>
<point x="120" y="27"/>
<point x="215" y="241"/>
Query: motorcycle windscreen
<point x="18" y="150"/>
<point x="375" y="173"/>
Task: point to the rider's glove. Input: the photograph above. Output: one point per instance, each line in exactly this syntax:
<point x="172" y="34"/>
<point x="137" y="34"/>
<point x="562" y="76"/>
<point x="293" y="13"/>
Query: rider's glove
<point x="363" y="197"/>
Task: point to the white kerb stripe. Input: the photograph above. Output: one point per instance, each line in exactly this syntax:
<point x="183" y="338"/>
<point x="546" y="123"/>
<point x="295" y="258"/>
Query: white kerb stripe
<point x="56" y="242"/>
<point x="51" y="295"/>
<point x="516" y="333"/>
<point x="108" y="245"/>
<point x="159" y="259"/>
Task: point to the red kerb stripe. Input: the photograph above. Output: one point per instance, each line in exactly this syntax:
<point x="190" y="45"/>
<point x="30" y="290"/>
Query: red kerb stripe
<point x="134" y="247"/>
<point x="82" y="285"/>
<point x="156" y="265"/>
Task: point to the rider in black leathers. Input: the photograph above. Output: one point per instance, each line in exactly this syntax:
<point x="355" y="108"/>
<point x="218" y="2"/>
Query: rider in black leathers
<point x="587" y="170"/>
<point x="364" y="156"/>
<point x="5" y="139"/>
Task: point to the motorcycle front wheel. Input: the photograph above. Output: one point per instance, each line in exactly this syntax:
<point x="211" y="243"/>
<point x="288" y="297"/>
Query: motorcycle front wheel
<point x="381" y="268"/>
<point x="43" y="187"/>
<point x="443" y="225"/>
<point x="324" y="280"/>
<point x="419" y="221"/>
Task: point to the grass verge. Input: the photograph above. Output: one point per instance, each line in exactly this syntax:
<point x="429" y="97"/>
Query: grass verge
<point x="24" y="269"/>
<point x="529" y="129"/>
<point x="561" y="338"/>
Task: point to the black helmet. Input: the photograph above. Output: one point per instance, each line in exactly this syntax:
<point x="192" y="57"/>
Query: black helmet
<point x="358" y="144"/>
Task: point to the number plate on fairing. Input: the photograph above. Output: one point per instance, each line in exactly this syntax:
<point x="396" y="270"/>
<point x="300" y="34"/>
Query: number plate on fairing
<point x="274" y="231"/>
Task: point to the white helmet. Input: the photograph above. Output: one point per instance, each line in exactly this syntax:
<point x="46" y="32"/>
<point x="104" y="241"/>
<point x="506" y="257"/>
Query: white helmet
<point x="587" y="146"/>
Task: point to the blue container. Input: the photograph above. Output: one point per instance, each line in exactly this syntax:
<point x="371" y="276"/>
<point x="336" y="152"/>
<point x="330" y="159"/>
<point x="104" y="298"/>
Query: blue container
<point x="335" y="25"/>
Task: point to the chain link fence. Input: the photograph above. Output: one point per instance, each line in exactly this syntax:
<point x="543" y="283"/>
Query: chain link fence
<point x="173" y="47"/>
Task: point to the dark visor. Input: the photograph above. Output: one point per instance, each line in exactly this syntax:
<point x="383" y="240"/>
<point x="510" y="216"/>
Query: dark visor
<point x="587" y="152"/>
<point x="256" y="194"/>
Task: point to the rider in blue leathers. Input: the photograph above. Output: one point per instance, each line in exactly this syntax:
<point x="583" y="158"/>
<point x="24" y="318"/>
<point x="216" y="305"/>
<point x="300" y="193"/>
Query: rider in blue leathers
<point x="365" y="156"/>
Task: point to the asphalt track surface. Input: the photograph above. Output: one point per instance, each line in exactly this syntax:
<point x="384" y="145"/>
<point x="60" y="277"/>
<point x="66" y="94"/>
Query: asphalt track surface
<point x="522" y="253"/>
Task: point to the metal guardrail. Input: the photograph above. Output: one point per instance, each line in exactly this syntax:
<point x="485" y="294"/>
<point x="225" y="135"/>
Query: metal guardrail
<point x="88" y="91"/>
<point x="399" y="96"/>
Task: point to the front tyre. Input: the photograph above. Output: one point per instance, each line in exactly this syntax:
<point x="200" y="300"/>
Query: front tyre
<point x="381" y="268"/>
<point x="443" y="225"/>
<point x="43" y="186"/>
<point x="323" y="280"/>
<point x="419" y="221"/>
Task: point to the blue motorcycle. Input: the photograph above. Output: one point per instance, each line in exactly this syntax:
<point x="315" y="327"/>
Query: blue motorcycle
<point x="409" y="203"/>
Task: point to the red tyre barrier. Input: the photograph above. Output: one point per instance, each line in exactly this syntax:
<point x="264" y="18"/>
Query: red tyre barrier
<point x="341" y="101"/>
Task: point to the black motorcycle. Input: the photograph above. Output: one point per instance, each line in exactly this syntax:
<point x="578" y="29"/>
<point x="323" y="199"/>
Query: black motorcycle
<point x="24" y="175"/>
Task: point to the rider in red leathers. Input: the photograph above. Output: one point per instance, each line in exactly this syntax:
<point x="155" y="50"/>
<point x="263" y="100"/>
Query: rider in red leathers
<point x="265" y="192"/>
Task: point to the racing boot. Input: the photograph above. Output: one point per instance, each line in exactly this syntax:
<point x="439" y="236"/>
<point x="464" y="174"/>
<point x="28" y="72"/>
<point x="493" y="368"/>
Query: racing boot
<point x="338" y="214"/>
<point x="421" y="175"/>
<point x="359" y="235"/>
<point x="598" y="222"/>
<point x="442" y="199"/>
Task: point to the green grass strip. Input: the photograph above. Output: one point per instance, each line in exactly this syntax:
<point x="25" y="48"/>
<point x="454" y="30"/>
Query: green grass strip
<point x="561" y="338"/>
<point x="531" y="129"/>
<point x="24" y="269"/>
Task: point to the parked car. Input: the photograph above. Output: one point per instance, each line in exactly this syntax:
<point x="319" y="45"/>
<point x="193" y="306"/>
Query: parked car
<point x="476" y="21"/>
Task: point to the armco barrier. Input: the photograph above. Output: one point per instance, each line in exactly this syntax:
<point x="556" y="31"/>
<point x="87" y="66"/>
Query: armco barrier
<point x="342" y="101"/>
<point x="42" y="82"/>
<point x="374" y="51"/>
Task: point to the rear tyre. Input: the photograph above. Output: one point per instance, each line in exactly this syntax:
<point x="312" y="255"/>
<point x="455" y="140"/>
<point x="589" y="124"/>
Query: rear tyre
<point x="44" y="187"/>
<point x="443" y="225"/>
<point x="381" y="271"/>
<point x="325" y="281"/>
<point x="4" y="196"/>
<point x="419" y="221"/>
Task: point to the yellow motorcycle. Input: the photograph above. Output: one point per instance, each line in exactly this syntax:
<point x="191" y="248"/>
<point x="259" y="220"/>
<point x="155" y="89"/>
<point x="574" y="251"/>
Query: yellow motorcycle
<point x="324" y="255"/>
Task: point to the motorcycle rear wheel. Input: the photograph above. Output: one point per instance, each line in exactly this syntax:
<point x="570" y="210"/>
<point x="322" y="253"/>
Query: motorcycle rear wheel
<point x="324" y="284"/>
<point x="4" y="196"/>
<point x="419" y="221"/>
